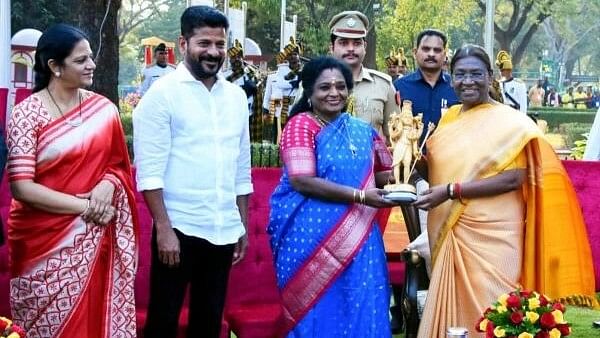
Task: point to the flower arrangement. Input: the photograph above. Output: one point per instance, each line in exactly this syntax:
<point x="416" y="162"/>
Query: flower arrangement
<point x="129" y="102"/>
<point x="10" y="330"/>
<point x="524" y="314"/>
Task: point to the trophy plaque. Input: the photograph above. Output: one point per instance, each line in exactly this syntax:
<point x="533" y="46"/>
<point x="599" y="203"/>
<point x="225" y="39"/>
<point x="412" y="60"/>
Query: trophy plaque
<point x="405" y="132"/>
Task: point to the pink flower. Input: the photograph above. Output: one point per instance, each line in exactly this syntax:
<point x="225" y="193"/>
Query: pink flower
<point x="559" y="306"/>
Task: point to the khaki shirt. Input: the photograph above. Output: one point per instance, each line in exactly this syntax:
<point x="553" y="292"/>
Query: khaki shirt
<point x="374" y="100"/>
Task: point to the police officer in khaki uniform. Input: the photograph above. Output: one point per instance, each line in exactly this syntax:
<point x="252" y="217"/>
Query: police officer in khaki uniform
<point x="374" y="98"/>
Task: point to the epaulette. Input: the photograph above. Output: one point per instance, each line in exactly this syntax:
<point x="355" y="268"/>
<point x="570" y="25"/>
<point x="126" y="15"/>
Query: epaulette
<point x="384" y="76"/>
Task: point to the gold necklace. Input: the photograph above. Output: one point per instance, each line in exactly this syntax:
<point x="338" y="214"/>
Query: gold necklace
<point x="353" y="148"/>
<point x="69" y="122"/>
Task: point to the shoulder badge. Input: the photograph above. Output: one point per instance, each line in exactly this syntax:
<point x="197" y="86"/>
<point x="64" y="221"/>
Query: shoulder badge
<point x="384" y="76"/>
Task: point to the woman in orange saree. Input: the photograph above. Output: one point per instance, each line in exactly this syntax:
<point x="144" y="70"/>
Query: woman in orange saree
<point x="71" y="227"/>
<point x="502" y="213"/>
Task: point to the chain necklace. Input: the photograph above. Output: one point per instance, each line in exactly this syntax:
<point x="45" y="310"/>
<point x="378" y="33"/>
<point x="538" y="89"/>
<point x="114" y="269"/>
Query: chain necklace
<point x="75" y="123"/>
<point x="353" y="148"/>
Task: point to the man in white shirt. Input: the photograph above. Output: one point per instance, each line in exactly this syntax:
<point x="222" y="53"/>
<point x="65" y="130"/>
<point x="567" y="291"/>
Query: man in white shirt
<point x="514" y="91"/>
<point x="160" y="68"/>
<point x="194" y="172"/>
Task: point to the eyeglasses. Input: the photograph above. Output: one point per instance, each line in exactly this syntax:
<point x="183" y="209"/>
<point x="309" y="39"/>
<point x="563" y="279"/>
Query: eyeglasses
<point x="476" y="76"/>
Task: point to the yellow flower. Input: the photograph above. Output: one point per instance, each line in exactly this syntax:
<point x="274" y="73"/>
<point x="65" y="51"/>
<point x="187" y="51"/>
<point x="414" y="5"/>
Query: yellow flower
<point x="501" y="309"/>
<point x="502" y="299"/>
<point x="16" y="335"/>
<point x="532" y="316"/>
<point x="558" y="317"/>
<point x="525" y="335"/>
<point x="554" y="333"/>
<point x="499" y="332"/>
<point x="483" y="325"/>
<point x="534" y="303"/>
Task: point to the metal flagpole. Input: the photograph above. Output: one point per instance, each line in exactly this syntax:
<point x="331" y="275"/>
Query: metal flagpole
<point x="282" y="41"/>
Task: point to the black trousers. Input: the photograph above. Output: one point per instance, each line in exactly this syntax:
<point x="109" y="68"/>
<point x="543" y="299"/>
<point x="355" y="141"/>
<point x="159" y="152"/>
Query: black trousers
<point x="205" y="268"/>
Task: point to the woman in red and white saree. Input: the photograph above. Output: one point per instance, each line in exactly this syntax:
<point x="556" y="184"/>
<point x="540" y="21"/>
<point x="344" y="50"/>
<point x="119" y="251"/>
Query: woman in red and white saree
<point x="72" y="223"/>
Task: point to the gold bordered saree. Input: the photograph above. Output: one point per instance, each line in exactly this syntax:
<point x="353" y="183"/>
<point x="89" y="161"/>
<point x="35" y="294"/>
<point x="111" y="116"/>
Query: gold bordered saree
<point x="533" y="237"/>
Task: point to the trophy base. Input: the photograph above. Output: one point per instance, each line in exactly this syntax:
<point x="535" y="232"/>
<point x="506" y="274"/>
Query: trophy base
<point x="401" y="193"/>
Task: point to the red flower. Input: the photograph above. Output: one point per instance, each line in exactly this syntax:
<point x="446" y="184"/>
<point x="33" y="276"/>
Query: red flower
<point x="488" y="310"/>
<point x="542" y="334"/>
<point x="564" y="329"/>
<point x="547" y="321"/>
<point x="489" y="330"/>
<point x="543" y="300"/>
<point x="3" y="325"/>
<point x="516" y="317"/>
<point x="559" y="306"/>
<point x="513" y="301"/>
<point x="525" y="293"/>
<point x="19" y="330"/>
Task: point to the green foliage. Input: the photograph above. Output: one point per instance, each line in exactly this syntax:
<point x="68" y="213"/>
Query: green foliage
<point x="573" y="132"/>
<point x="557" y="118"/>
<point x="39" y="14"/>
<point x="265" y="155"/>
<point x="401" y="23"/>
<point x="579" y="148"/>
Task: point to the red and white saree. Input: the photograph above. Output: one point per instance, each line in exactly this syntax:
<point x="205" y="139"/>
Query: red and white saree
<point x="70" y="278"/>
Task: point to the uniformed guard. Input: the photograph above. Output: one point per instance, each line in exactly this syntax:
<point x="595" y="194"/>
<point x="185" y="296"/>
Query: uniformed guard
<point x="154" y="71"/>
<point x="396" y="63"/>
<point x="514" y="91"/>
<point x="281" y="88"/>
<point x="373" y="98"/>
<point x="241" y="74"/>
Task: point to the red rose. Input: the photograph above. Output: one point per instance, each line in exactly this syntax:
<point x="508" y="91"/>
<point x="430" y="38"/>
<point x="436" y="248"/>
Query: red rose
<point x="516" y="317"/>
<point x="3" y="325"/>
<point x="559" y="306"/>
<point x="542" y="334"/>
<point x="547" y="321"/>
<point x="488" y="310"/>
<point x="525" y="293"/>
<point x="543" y="300"/>
<point x="489" y="330"/>
<point x="564" y="329"/>
<point x="513" y="301"/>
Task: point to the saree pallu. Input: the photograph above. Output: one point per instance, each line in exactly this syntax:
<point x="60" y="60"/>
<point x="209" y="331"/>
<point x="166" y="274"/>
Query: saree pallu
<point x="533" y="237"/>
<point x="70" y="278"/>
<point x="329" y="257"/>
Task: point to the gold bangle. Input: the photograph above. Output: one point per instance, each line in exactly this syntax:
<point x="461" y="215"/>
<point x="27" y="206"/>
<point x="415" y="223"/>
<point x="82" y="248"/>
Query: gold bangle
<point x="362" y="197"/>
<point x="353" y="195"/>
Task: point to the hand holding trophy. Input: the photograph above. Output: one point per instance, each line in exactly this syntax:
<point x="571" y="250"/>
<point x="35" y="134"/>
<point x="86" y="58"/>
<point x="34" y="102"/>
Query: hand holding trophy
<point x="405" y="132"/>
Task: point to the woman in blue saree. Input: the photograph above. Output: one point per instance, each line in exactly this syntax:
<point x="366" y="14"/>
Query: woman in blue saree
<point x="328" y="250"/>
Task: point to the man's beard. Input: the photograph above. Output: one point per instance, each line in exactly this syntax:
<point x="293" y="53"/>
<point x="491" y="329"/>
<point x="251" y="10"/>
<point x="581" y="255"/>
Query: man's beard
<point x="196" y="66"/>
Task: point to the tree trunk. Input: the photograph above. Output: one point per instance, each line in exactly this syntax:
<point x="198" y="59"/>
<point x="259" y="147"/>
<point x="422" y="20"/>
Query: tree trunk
<point x="105" y="44"/>
<point x="371" y="56"/>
